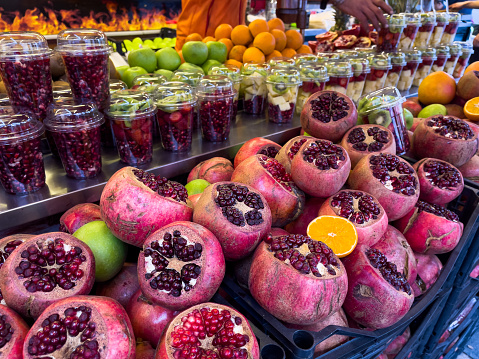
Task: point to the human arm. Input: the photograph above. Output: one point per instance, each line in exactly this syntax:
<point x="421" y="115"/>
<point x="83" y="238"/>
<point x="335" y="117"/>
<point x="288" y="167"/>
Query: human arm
<point x="464" y="5"/>
<point x="364" y="10"/>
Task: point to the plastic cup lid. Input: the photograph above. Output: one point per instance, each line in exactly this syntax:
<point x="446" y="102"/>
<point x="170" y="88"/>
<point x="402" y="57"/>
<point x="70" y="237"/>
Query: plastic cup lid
<point x="130" y="103"/>
<point x="427" y="52"/>
<point x="442" y="50"/>
<point x="397" y="58"/>
<point x="214" y="85"/>
<point x="4" y="100"/>
<point x="81" y="40"/>
<point x="455" y="49"/>
<point x="22" y="44"/>
<point x="383" y="98"/>
<point x="172" y="94"/>
<point x="313" y="72"/>
<point x="413" y="55"/>
<point x="230" y="71"/>
<point x="380" y="61"/>
<point x="304" y="58"/>
<point x="256" y="70"/>
<point x="360" y="65"/>
<point x="188" y="77"/>
<point x="328" y="55"/>
<point x="19" y="127"/>
<point x="442" y="17"/>
<point x="413" y="18"/>
<point x="66" y="116"/>
<point x="454" y="17"/>
<point x="281" y="62"/>
<point x="289" y="76"/>
<point x="339" y="68"/>
<point x="117" y="85"/>
<point x="397" y="20"/>
<point x="149" y="79"/>
<point x="428" y="18"/>
<point x="465" y="46"/>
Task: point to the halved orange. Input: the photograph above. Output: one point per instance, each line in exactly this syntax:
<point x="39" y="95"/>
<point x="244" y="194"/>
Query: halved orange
<point x="336" y="232"/>
<point x="471" y="109"/>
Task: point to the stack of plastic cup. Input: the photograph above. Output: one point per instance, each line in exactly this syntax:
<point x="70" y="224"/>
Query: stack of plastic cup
<point x="455" y="50"/>
<point x="413" y="22"/>
<point x="428" y="21"/>
<point x="347" y="54"/>
<point x="234" y="74"/>
<point x="428" y="56"/>
<point x="253" y="87"/>
<point x="339" y="72"/>
<point x="442" y="19"/>
<point x="413" y="60"/>
<point x="283" y="85"/>
<point x="147" y="83"/>
<point x="451" y="28"/>
<point x="388" y="37"/>
<point x="398" y="61"/>
<point x="313" y="78"/>
<point x="380" y="65"/>
<point x="300" y="59"/>
<point x="442" y="53"/>
<point x="361" y="69"/>
<point x="463" y="60"/>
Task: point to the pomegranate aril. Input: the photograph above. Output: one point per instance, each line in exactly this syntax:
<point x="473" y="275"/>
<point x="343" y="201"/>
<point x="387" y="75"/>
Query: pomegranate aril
<point x="278" y="171"/>
<point x="395" y="175"/>
<point x="451" y="128"/>
<point x="275" y="114"/>
<point x="358" y="207"/>
<point x="163" y="186"/>
<point x="329" y="107"/>
<point x="324" y="155"/>
<point x="269" y="151"/>
<point x="437" y="210"/>
<point x="215" y="118"/>
<point x="388" y="270"/>
<point x="442" y="174"/>
<point x="295" y="148"/>
<point x="6" y="331"/>
<point x="255" y="105"/>
<point x="176" y="136"/>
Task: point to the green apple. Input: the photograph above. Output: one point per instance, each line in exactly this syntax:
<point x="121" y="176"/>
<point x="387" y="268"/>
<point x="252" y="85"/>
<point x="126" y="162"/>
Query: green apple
<point x="186" y="66"/>
<point x="128" y="45"/>
<point x="168" y="59"/>
<point x="150" y="44"/>
<point x="195" y="52"/>
<point x="121" y="70"/>
<point x="137" y="41"/>
<point x="196" y="186"/>
<point x="209" y="64"/>
<point x="167" y="73"/>
<point x="408" y="118"/>
<point x="131" y="73"/>
<point x="217" y="51"/>
<point x="144" y="57"/>
<point x="432" y="110"/>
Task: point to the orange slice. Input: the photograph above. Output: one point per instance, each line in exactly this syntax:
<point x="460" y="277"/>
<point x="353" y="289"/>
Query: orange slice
<point x="471" y="109"/>
<point x="336" y="232"/>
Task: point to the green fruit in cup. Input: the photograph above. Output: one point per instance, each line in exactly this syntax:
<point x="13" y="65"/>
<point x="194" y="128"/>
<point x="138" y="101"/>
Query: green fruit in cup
<point x="195" y="52"/>
<point x="144" y="57"/>
<point x="131" y="73"/>
<point x="196" y="186"/>
<point x="168" y="59"/>
<point x="432" y="110"/>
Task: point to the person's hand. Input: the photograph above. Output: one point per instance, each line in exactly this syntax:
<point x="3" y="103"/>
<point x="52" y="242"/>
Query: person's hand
<point x="364" y="10"/>
<point x="458" y="6"/>
<point x="475" y="42"/>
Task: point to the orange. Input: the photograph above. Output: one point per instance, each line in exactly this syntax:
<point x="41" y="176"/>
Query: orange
<point x="228" y="43"/>
<point x="304" y="49"/>
<point x="251" y="44"/>
<point x="253" y="54"/>
<point x="265" y="42"/>
<point x="194" y="37"/>
<point x="276" y="23"/>
<point x="336" y="232"/>
<point x="241" y="35"/>
<point x="280" y="38"/>
<point x="294" y="39"/>
<point x="472" y="67"/>
<point x="275" y="53"/>
<point x="437" y="88"/>
<point x="237" y="52"/>
<point x="258" y="26"/>
<point x="288" y="52"/>
<point x="238" y="64"/>
<point x="471" y="109"/>
<point x="208" y="38"/>
<point x="223" y="30"/>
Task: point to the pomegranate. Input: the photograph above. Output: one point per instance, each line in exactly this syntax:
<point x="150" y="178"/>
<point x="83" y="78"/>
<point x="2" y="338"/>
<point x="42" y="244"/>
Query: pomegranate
<point x="440" y="182"/>
<point x="398" y="251"/>
<point x="470" y="170"/>
<point x="268" y="176"/>
<point x="79" y="215"/>
<point x="362" y="209"/>
<point x="475" y="272"/>
<point x="181" y="265"/>
<point x="135" y="203"/>
<point x="213" y="170"/>
<point x="194" y="198"/>
<point x="467" y="86"/>
<point x="297" y="279"/>
<point x="122" y="287"/>
<point x="321" y="168"/>
<point x="430" y="228"/>
<point x="256" y="146"/>
<point x="337" y="318"/>
<point x="429" y="268"/>
<point x="397" y="344"/>
<point x="148" y="319"/>
<point x="237" y="214"/>
<point x="328" y="115"/>
<point x="105" y="329"/>
<point x="362" y="140"/>
<point x="44" y="269"/>
<point x="208" y="330"/>
<point x="446" y="138"/>
<point x="144" y="350"/>
<point x="390" y="179"/>
<point x="13" y="331"/>
<point x="378" y="295"/>
<point x="310" y="212"/>
<point x="289" y="150"/>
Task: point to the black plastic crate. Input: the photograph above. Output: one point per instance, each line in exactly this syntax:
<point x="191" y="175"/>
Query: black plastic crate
<point x="469" y="263"/>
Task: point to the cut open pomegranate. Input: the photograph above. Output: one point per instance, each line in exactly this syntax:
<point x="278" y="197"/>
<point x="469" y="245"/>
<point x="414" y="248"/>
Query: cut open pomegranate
<point x="256" y="146"/>
<point x="13" y="331"/>
<point x="429" y="267"/>
<point x="289" y="150"/>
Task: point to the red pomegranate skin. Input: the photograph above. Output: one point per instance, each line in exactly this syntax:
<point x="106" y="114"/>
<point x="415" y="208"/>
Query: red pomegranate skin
<point x="213" y="170"/>
<point x="310" y="212"/>
<point x="79" y="215"/>
<point x="13" y="349"/>
<point x="133" y="211"/>
<point x="257" y="145"/>
<point x="429" y="268"/>
<point x="397" y="344"/>
<point x="144" y="350"/>
<point x="122" y="287"/>
<point x="289" y="150"/>
<point x="470" y="169"/>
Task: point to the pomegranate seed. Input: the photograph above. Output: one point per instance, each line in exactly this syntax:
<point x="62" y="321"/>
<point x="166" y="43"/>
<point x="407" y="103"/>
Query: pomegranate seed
<point x="329" y="107"/>
<point x="388" y="270"/>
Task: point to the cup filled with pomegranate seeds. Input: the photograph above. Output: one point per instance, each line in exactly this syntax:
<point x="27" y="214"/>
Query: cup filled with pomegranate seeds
<point x="388" y="37"/>
<point x="442" y="54"/>
<point x="283" y="85"/>
<point x="408" y="35"/>
<point x="398" y="61"/>
<point x="340" y="73"/>
<point x="380" y="64"/>
<point x="175" y="102"/>
<point x="355" y="87"/>
<point x="442" y="19"/>
<point x="253" y="87"/>
<point x="451" y="28"/>
<point x="76" y="131"/>
<point x="455" y="50"/>
<point x="25" y="70"/>
<point x="313" y="79"/>
<point x="21" y="161"/>
<point x="413" y="59"/>
<point x="131" y="114"/>
<point x="462" y="61"/>
<point x="234" y="74"/>
<point x="428" y="22"/>
<point x="428" y="56"/>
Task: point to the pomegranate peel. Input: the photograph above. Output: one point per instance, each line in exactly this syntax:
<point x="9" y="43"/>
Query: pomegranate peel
<point x="256" y="146"/>
<point x="12" y="334"/>
<point x="289" y="150"/>
<point x="79" y="215"/>
<point x="429" y="268"/>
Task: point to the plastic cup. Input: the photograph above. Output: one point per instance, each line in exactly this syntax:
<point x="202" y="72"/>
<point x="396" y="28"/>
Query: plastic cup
<point x="4" y="100"/>
<point x="413" y="22"/>
<point x="175" y="104"/>
<point x="463" y="60"/>
<point x="313" y="78"/>
<point x="147" y="83"/>
<point x="85" y="53"/>
<point x="451" y="28"/>
<point x="327" y="55"/>
<point x="442" y="19"/>
<point x="117" y="85"/>
<point x="192" y="79"/>
<point x="253" y="88"/>
<point x="339" y="72"/>
<point x="424" y="68"/>
<point x="215" y="94"/>
<point x="25" y="70"/>
<point x="428" y="21"/>
<point x="455" y="50"/>
<point x="380" y="65"/>
<point x="345" y="54"/>
<point x="21" y="161"/>
<point x="413" y="59"/>
<point x="398" y="61"/>
<point x="76" y="131"/>
<point x="356" y="83"/>
<point x="283" y="88"/>
<point x="384" y="107"/>
<point x="234" y="74"/>
<point x="281" y="63"/>
<point x="442" y="53"/>
<point x="388" y="37"/>
<point x="301" y="59"/>
<point x="131" y="114"/>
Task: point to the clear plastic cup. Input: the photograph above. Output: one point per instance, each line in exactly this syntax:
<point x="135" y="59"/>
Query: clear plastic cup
<point x="253" y="88"/>
<point x="192" y="79"/>
<point x="132" y="114"/>
<point x="283" y="85"/>
<point x="117" y="85"/>
<point x="175" y="103"/>
<point x="21" y="161"/>
<point x="428" y="56"/>
<point x="25" y="70"/>
<point x="398" y="61"/>
<point x="388" y="37"/>
<point x="215" y="94"/>
<point x="428" y="21"/>
<point x="442" y="19"/>
<point x="147" y="83"/>
<point x="451" y="28"/>
<point x="345" y="54"/>
<point x="4" y="100"/>
<point x="234" y="74"/>
<point x="413" y="22"/>
<point x="442" y="53"/>
<point x="413" y="59"/>
<point x="380" y="65"/>
<point x="85" y="53"/>
<point x="76" y="131"/>
<point x="301" y="59"/>
<point x="384" y="107"/>
<point x="281" y="62"/>
<point x="463" y="60"/>
<point x="339" y="72"/>
<point x="455" y="50"/>
<point x="365" y="51"/>
<point x="327" y="55"/>
<point x="313" y="78"/>
<point x="356" y="83"/>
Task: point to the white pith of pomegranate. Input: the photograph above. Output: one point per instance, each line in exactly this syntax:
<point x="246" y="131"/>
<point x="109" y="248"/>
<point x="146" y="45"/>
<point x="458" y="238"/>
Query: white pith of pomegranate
<point x="181" y="265"/>
<point x="208" y="330"/>
<point x="13" y="331"/>
<point x="289" y="150"/>
<point x="297" y="279"/>
<point x="431" y="228"/>
<point x="78" y="216"/>
<point x="429" y="268"/>
<point x="256" y="146"/>
<point x="81" y="327"/>
<point x="44" y="269"/>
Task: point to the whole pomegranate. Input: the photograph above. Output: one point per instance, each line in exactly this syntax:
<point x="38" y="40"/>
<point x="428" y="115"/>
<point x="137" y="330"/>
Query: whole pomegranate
<point x="378" y="295"/>
<point x="268" y="176"/>
<point x="13" y="331"/>
<point x="470" y="169"/>
<point x="237" y="214"/>
<point x="328" y="115"/>
<point x="362" y="140"/>
<point x="297" y="279"/>
<point x="79" y="215"/>
<point x="213" y="170"/>
<point x="430" y="228"/>
<point x="256" y="146"/>
<point x="45" y="269"/>
<point x="446" y="138"/>
<point x="208" y="330"/>
<point x="144" y="350"/>
<point x="289" y="150"/>
<point x="122" y="287"/>
<point x="135" y="203"/>
<point x="362" y="209"/>
<point x="390" y="179"/>
<point x="320" y="168"/>
<point x="429" y="268"/>
<point x="81" y="326"/>
<point x="397" y="344"/>
<point x="440" y="182"/>
<point x="181" y="265"/>
<point x="310" y="212"/>
<point x="467" y="86"/>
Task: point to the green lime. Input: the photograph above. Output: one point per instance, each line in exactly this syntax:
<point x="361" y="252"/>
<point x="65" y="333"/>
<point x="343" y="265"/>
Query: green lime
<point x="196" y="186"/>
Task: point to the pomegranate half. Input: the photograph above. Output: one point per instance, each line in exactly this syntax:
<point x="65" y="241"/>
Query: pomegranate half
<point x="289" y="150"/>
<point x="256" y="146"/>
<point x="13" y="331"/>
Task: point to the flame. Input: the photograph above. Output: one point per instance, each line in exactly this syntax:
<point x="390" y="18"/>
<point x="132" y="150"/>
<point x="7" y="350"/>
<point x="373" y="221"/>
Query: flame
<point x="50" y="22"/>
